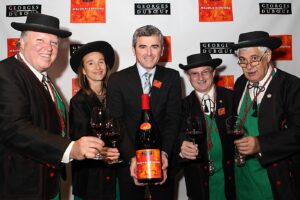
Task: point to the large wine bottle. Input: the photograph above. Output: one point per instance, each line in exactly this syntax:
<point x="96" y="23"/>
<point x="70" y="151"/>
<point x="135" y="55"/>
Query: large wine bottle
<point x="148" y="153"/>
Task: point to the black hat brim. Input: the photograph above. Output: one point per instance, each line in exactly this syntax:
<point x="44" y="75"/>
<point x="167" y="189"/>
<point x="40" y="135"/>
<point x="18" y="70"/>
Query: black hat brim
<point x="214" y="63"/>
<point x="40" y="28"/>
<point x="98" y="46"/>
<point x="271" y="42"/>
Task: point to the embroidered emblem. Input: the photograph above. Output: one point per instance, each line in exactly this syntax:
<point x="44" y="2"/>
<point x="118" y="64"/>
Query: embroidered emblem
<point x="157" y="84"/>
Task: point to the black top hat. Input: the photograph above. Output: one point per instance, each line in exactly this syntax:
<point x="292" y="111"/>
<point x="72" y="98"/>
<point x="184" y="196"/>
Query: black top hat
<point x="200" y="60"/>
<point x="41" y="23"/>
<point x="256" y="39"/>
<point x="98" y="46"/>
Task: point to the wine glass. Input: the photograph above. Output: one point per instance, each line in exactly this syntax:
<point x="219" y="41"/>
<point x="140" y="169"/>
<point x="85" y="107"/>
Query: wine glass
<point x="97" y="123"/>
<point x="97" y="120"/>
<point x="113" y="134"/>
<point x="234" y="128"/>
<point x="193" y="128"/>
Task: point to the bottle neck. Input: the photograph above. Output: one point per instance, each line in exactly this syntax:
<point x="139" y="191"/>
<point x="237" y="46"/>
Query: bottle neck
<point x="145" y="102"/>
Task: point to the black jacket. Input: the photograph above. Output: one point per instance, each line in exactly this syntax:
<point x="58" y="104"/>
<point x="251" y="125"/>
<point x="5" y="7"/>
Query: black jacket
<point x="91" y="179"/>
<point x="31" y="147"/>
<point x="196" y="172"/>
<point x="279" y="132"/>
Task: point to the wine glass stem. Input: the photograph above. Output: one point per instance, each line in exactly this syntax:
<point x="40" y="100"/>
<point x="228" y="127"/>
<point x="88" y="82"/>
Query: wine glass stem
<point x="113" y="144"/>
<point x="193" y="141"/>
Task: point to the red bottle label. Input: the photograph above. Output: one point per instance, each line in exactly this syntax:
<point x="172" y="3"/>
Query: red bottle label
<point x="145" y="126"/>
<point x="148" y="163"/>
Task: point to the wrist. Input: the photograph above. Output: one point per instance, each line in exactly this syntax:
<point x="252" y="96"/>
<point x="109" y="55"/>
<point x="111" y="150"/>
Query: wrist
<point x="163" y="153"/>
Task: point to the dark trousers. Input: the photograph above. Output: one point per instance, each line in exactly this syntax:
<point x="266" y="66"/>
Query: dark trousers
<point x="128" y="190"/>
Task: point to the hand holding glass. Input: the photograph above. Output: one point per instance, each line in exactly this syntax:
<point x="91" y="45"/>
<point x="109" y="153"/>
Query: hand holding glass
<point x="193" y="128"/>
<point x="98" y="120"/>
<point x="235" y="129"/>
<point x="97" y="123"/>
<point x="113" y="134"/>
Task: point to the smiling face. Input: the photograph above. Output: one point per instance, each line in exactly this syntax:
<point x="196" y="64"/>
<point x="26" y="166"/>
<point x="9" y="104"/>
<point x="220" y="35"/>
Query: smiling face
<point x="39" y="49"/>
<point x="201" y="78"/>
<point x="148" y="50"/>
<point x="94" y="66"/>
<point x="258" y="72"/>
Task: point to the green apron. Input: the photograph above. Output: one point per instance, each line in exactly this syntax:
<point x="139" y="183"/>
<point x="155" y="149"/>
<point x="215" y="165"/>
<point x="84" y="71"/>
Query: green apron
<point x="216" y="181"/>
<point x="252" y="181"/>
<point x="61" y="109"/>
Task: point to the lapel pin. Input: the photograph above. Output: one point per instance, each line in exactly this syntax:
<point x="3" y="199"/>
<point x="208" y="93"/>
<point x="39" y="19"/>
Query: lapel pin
<point x="157" y="83"/>
<point x="269" y="95"/>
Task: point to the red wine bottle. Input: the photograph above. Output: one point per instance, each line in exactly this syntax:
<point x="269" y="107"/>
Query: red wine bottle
<point x="148" y="154"/>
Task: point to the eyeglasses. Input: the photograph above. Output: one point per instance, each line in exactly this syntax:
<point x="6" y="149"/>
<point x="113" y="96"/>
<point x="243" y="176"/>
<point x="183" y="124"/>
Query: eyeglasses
<point x="254" y="61"/>
<point x="204" y="73"/>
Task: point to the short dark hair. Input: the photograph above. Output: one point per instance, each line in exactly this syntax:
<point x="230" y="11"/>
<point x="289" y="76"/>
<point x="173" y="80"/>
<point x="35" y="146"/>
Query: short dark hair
<point x="147" y="30"/>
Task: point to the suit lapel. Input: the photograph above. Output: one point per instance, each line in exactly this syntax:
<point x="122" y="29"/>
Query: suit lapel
<point x="156" y="85"/>
<point x="196" y="110"/>
<point x="136" y="80"/>
<point x="238" y="93"/>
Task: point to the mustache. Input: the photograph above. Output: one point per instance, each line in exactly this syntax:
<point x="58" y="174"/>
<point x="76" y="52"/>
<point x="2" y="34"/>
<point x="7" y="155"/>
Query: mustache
<point x="254" y="69"/>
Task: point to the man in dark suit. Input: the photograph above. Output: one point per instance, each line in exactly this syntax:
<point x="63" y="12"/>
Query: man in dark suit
<point x="267" y="100"/>
<point x="33" y="146"/>
<point x="124" y="100"/>
<point x="207" y="162"/>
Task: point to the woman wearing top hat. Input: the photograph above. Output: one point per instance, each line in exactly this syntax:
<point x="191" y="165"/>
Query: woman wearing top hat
<point x="207" y="163"/>
<point x="92" y="62"/>
<point x="267" y="99"/>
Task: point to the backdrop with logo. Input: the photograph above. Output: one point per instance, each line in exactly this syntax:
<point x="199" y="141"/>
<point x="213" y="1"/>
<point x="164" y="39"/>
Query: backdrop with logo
<point x="189" y="26"/>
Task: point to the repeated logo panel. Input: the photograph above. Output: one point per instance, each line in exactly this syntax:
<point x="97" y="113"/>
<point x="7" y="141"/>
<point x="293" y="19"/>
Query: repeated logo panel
<point x="275" y="8"/>
<point x="215" y="11"/>
<point x="22" y="10"/>
<point x="12" y="46"/>
<point x="88" y="11"/>
<point x="222" y="11"/>
<point x="152" y="8"/>
<point x="215" y="47"/>
<point x="284" y="52"/>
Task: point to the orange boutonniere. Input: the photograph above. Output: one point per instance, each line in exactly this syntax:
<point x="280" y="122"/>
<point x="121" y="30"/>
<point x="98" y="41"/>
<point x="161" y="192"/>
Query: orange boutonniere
<point x="157" y="83"/>
<point x="221" y="111"/>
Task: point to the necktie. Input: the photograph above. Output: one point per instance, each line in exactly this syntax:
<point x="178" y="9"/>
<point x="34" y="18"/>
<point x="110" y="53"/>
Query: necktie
<point x="206" y="103"/>
<point x="60" y="107"/>
<point x="256" y="90"/>
<point x="46" y="84"/>
<point x="147" y="84"/>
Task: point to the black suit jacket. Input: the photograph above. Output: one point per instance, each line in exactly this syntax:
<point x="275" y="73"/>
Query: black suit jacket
<point x="279" y="132"/>
<point x="31" y="147"/>
<point x="91" y="179"/>
<point x="196" y="172"/>
<point x="124" y="100"/>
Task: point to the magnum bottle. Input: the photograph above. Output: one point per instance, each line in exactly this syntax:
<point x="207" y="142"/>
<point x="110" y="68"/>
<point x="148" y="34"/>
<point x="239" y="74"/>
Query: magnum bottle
<point x="148" y="153"/>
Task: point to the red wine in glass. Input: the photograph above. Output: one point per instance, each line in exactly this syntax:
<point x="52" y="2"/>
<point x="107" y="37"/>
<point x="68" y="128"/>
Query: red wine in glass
<point x="98" y="129"/>
<point x="97" y="120"/>
<point x="193" y="134"/>
<point x="236" y="133"/>
<point x="113" y="134"/>
<point x="234" y="127"/>
<point x="193" y="128"/>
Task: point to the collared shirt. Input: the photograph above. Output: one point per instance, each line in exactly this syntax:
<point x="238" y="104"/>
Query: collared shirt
<point x="261" y="83"/>
<point x="142" y="71"/>
<point x="38" y="74"/>
<point x="66" y="156"/>
<point x="210" y="94"/>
